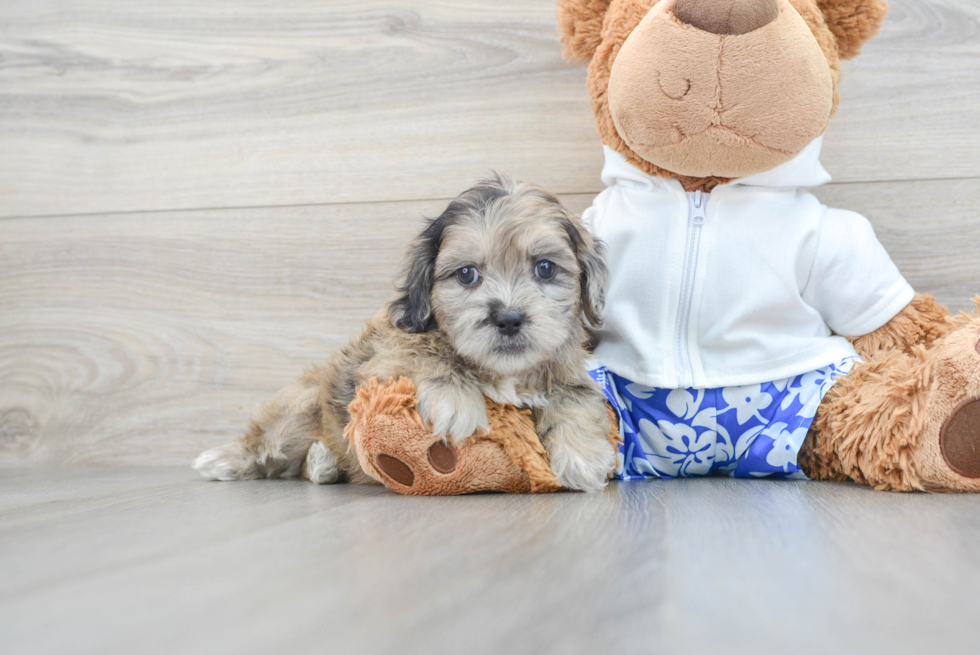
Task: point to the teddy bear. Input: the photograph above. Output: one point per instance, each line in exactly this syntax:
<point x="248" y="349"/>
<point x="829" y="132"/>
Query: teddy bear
<point x="749" y="330"/>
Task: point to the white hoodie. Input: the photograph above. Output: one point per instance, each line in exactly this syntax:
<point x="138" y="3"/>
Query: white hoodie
<point x="740" y="286"/>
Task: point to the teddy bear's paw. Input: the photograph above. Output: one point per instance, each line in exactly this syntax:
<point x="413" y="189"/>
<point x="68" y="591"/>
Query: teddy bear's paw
<point x="407" y="458"/>
<point x="950" y="453"/>
<point x="959" y="439"/>
<point x="441" y="458"/>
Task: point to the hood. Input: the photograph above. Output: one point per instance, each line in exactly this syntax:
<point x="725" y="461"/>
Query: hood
<point x="802" y="171"/>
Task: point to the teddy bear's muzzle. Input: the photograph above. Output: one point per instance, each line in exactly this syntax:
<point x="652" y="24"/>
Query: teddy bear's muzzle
<point x="723" y="88"/>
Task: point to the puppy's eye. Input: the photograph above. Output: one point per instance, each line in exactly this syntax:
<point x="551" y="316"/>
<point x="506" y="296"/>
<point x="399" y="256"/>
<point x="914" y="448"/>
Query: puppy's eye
<point x="468" y="276"/>
<point x="545" y="270"/>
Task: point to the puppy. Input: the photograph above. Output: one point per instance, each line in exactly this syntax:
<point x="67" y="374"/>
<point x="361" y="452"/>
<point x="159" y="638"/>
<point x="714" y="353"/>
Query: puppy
<point x="492" y="303"/>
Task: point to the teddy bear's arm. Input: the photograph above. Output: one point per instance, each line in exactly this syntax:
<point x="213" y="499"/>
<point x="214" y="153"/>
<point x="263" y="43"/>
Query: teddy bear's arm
<point x="923" y="321"/>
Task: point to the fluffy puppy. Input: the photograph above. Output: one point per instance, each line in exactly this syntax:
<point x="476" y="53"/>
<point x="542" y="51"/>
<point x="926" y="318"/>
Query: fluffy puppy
<point x="492" y="303"/>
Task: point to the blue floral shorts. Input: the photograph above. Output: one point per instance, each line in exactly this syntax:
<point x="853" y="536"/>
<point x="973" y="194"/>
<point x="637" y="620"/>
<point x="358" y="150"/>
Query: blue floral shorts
<point x="751" y="431"/>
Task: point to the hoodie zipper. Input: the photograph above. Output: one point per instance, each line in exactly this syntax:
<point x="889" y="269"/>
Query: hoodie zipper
<point x="697" y="206"/>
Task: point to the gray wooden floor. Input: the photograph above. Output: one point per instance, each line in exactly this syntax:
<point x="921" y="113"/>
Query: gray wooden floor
<point x="152" y="560"/>
<point x="198" y="199"/>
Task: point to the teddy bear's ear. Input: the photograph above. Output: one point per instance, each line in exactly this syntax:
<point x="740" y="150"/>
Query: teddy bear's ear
<point x="853" y="22"/>
<point x="580" y="26"/>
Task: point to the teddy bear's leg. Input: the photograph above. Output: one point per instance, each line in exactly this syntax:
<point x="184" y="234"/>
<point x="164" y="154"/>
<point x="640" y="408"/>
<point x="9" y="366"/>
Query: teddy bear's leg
<point x="904" y="420"/>
<point x="396" y="448"/>
<point x="407" y="458"/>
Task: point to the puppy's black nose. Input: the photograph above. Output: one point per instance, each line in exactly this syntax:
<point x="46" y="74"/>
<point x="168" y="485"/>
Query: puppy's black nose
<point x="508" y="323"/>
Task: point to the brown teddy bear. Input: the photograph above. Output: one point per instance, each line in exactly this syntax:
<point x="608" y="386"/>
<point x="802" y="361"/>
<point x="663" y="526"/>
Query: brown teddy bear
<point x="726" y="100"/>
<point x="748" y="329"/>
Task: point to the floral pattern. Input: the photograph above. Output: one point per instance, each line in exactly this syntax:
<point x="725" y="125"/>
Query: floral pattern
<point x="749" y="431"/>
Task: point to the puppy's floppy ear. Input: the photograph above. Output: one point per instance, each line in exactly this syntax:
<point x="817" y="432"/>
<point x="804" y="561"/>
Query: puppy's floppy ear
<point x="853" y="22"/>
<point x="412" y="309"/>
<point x="590" y="252"/>
<point x="580" y="26"/>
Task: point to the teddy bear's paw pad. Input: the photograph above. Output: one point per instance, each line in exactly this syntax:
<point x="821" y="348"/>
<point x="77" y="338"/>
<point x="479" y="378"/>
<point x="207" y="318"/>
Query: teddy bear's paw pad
<point x="959" y="439"/>
<point x="395" y="469"/>
<point x="442" y="457"/>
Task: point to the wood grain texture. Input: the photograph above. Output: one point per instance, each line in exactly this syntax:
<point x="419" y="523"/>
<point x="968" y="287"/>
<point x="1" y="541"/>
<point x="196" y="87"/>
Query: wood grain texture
<point x="145" y="338"/>
<point x="930" y="229"/>
<point x="138" y="337"/>
<point x="158" y="561"/>
<point x="909" y="101"/>
<point x="110" y="106"/>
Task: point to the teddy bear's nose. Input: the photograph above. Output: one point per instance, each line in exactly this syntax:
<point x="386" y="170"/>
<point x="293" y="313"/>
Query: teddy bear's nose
<point x="726" y="16"/>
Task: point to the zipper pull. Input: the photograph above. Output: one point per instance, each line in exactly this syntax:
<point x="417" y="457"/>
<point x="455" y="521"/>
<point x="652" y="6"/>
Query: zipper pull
<point x="698" y="215"/>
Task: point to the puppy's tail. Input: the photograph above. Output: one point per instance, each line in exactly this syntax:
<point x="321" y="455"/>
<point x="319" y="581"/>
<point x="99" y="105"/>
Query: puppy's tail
<point x="276" y="443"/>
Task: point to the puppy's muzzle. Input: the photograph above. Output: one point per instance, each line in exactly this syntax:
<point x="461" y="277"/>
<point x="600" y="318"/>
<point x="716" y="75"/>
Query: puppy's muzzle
<point x="508" y="323"/>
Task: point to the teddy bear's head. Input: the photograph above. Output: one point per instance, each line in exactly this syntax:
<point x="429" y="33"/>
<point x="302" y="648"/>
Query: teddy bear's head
<point x="710" y="90"/>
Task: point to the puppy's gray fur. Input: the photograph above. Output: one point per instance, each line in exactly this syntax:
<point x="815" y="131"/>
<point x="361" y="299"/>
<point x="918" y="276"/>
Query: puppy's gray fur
<point x="443" y="335"/>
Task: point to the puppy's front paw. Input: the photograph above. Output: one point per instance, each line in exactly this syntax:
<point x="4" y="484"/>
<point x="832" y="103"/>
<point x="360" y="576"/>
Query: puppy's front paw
<point x="452" y="410"/>
<point x="580" y="461"/>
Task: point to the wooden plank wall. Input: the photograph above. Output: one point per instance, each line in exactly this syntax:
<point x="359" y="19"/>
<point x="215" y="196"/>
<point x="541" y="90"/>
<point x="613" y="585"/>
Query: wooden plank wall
<point x="198" y="197"/>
